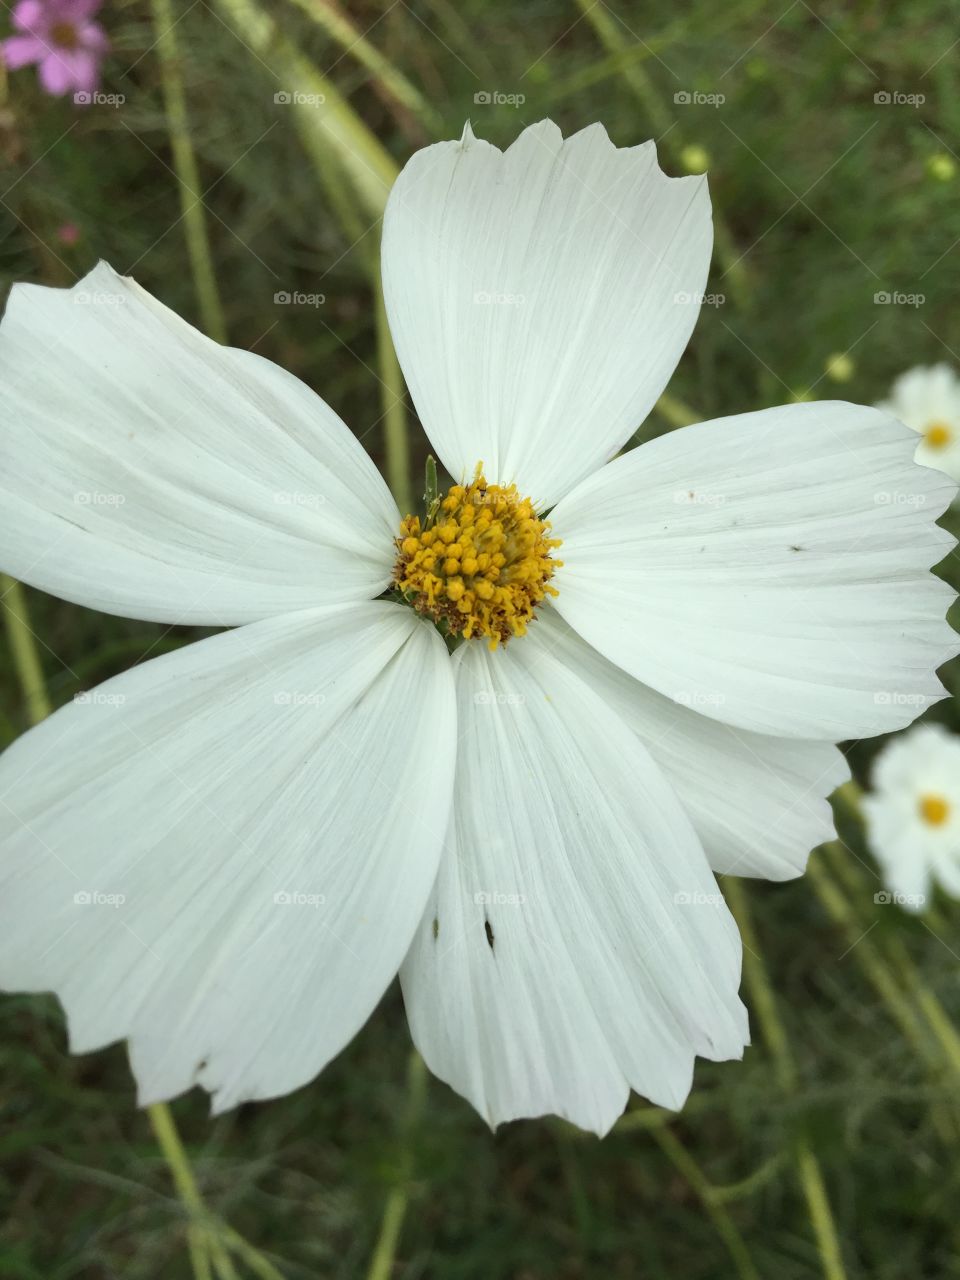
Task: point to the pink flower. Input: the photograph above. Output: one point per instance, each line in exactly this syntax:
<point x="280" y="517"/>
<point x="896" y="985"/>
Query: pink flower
<point x="60" y="36"/>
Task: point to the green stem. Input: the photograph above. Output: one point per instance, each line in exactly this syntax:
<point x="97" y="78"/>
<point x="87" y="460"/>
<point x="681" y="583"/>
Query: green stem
<point x="815" y="1191"/>
<point x="337" y="130"/>
<point x="395" y="439"/>
<point x="395" y="1211"/>
<point x="868" y="957"/>
<point x="775" y="1038"/>
<point x="900" y="960"/>
<point x="846" y="801"/>
<point x="901" y="963"/>
<point x="726" y="1227"/>
<point x="933" y="1011"/>
<point x="676" y="412"/>
<point x="646" y="1116"/>
<point x="882" y="979"/>
<point x="726" y="1192"/>
<point x="353" y="42"/>
<point x="26" y="662"/>
<point x="26" y="658"/>
<point x="611" y="36"/>
<point x="258" y="1264"/>
<point x="201" y="1243"/>
<point x="351" y="162"/>
<point x="188" y="176"/>
<point x="168" y="1140"/>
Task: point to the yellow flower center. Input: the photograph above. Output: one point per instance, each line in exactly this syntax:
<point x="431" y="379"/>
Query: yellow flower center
<point x="64" y="34"/>
<point x="480" y="563"/>
<point x="937" y="435"/>
<point x="934" y="810"/>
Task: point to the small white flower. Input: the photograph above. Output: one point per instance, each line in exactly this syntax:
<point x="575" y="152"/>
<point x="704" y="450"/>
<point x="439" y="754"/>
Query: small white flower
<point x="927" y="399"/>
<point x="298" y="808"/>
<point x="913" y="814"/>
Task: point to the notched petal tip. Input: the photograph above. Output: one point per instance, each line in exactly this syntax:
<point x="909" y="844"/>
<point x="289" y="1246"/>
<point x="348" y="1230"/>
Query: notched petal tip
<point x="935" y="490"/>
<point x="542" y="129"/>
<point x="545" y="135"/>
<point x="596" y="136"/>
<point x="101" y="278"/>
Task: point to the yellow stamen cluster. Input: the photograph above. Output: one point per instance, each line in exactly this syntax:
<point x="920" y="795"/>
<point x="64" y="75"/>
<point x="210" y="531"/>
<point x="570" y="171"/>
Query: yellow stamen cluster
<point x="934" y="809"/>
<point x="482" y="563"/>
<point x="937" y="435"/>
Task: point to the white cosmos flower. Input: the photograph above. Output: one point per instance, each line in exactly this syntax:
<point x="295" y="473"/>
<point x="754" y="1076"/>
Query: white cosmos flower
<point x="913" y="814"/>
<point x="294" y="810"/>
<point x="927" y="399"/>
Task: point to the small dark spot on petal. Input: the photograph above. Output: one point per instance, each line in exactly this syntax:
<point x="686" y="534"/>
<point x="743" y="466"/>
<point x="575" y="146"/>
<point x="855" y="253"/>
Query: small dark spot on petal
<point x="489" y="932"/>
<point x="436" y="927"/>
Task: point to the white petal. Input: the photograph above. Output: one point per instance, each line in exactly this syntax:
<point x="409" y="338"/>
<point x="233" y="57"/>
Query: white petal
<point x="269" y="806"/>
<point x="770" y="569"/>
<point x="923" y="397"/>
<point x="540" y="298"/>
<point x="576" y="944"/>
<point x="149" y="472"/>
<point x="758" y="804"/>
<point x="925" y="761"/>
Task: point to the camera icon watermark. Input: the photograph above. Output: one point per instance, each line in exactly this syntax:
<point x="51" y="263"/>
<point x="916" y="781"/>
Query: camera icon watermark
<point x="494" y="98"/>
<point x="294" y="298"/>
<point x="97" y="298"/>
<point x="698" y="698"/>
<point x="83" y="98"/>
<point x="694" y="98"/>
<point x="296" y="898"/>
<point x="96" y="898"/>
<point x="888" y="897"/>
<point x="899" y="498"/>
<point x="684" y="299"/>
<point x="894" y="98"/>
<point x="295" y="98"/>
<point x="99" y="698"/>
<point x="93" y="498"/>
<point x="486" y="298"/>
<point x="291" y="698"/>
<point x="295" y="498"/>
<point x="894" y="298"/>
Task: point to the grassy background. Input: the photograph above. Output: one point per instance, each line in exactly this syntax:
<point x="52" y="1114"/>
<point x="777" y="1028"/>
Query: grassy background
<point x="825" y="197"/>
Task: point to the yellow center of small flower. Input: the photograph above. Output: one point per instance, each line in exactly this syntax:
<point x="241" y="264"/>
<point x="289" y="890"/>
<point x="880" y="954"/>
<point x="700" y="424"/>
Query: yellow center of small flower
<point x="937" y="435"/>
<point x="934" y="810"/>
<point x="64" y="34"/>
<point x="480" y="563"/>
